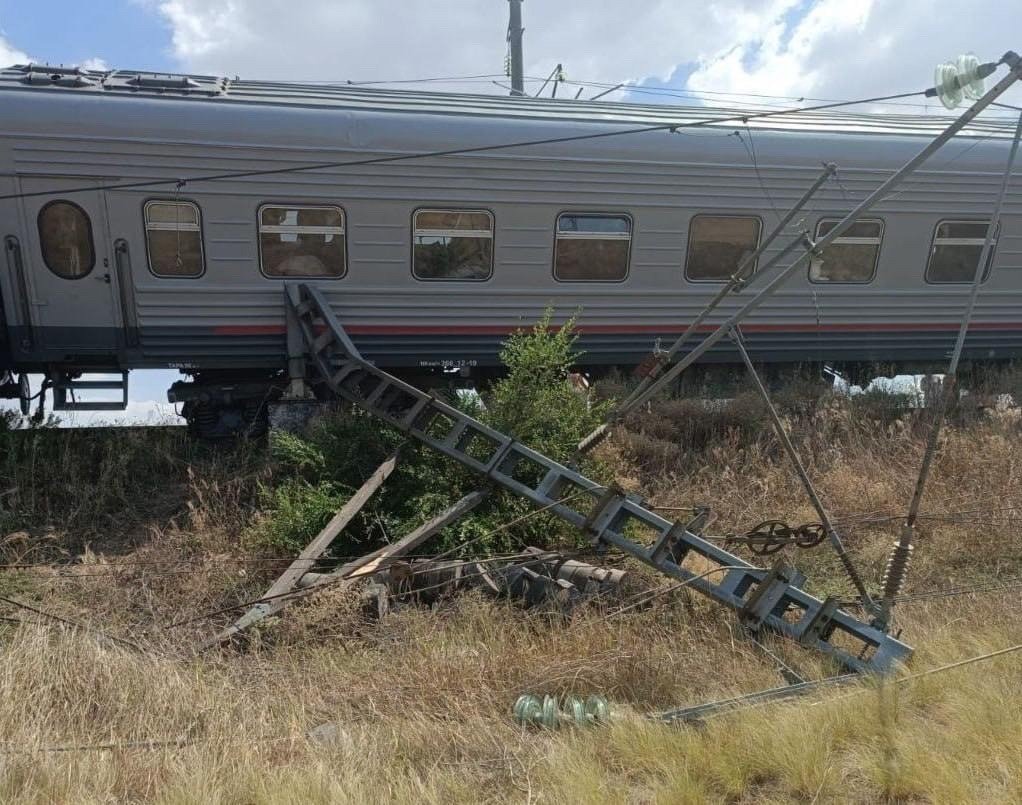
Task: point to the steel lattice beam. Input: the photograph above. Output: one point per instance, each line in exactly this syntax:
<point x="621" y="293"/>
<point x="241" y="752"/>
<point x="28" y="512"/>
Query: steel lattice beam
<point x="770" y="600"/>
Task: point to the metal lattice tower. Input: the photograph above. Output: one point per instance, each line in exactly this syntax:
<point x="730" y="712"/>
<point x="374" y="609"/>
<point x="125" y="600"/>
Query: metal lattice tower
<point x="764" y="599"/>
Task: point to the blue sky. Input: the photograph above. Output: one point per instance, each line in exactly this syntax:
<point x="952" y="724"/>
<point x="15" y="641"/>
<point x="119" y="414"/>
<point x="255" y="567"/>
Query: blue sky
<point x="121" y="32"/>
<point x="132" y="33"/>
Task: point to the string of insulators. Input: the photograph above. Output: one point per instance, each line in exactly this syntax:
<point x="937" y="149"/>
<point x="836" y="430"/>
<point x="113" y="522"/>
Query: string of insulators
<point x="897" y="569"/>
<point x="569" y="711"/>
<point x="960" y="79"/>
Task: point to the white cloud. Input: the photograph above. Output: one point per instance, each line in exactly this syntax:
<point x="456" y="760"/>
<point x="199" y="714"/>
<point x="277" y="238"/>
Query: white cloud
<point x="94" y="64"/>
<point x="858" y="48"/>
<point x="778" y="60"/>
<point x="10" y="55"/>
<point x="822" y="48"/>
<point x="373" y="39"/>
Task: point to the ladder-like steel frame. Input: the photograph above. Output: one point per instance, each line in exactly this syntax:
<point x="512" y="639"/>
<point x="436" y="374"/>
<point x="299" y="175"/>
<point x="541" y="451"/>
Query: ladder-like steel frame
<point x="764" y="599"/>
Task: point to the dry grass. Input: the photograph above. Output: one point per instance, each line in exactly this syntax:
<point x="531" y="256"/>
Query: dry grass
<point x="420" y="709"/>
<point x="420" y="702"/>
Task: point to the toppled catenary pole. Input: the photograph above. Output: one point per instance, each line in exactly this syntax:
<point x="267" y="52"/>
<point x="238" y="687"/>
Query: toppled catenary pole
<point x="897" y="563"/>
<point x="773" y="599"/>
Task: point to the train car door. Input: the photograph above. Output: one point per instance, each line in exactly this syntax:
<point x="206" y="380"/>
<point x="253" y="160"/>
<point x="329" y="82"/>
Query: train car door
<point x="68" y="262"/>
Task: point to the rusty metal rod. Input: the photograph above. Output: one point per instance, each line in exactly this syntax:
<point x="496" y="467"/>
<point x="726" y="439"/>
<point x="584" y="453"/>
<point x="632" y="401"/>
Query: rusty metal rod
<point x="734" y="282"/>
<point x="898" y="563"/>
<point x="803" y="476"/>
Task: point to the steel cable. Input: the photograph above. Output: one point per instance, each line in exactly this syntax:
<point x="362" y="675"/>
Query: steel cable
<point x="670" y="127"/>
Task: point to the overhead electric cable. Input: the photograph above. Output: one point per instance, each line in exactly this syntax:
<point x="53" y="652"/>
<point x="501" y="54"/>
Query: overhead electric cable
<point x="479" y="149"/>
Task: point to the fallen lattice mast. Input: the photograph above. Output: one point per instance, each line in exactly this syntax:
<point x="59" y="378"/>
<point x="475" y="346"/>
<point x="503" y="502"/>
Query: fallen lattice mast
<point x="765" y="599"/>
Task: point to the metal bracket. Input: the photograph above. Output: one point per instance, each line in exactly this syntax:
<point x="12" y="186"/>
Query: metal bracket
<point x="64" y="389"/>
<point x="768" y="597"/>
<point x="821" y="625"/>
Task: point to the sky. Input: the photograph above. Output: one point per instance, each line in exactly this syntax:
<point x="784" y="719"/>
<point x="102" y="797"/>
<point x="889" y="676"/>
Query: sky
<point x="729" y="52"/>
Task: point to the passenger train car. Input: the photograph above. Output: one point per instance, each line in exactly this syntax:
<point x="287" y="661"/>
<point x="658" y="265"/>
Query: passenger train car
<point x="154" y="221"/>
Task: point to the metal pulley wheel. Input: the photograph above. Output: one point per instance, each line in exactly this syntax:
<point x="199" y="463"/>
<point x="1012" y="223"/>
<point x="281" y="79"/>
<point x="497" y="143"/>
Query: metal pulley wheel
<point x="768" y="537"/>
<point x="810" y="535"/>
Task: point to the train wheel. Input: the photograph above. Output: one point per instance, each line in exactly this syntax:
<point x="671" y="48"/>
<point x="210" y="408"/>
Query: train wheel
<point x="215" y="422"/>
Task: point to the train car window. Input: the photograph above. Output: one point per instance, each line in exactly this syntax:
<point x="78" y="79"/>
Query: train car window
<point x="302" y="241"/>
<point x="65" y="237"/>
<point x="173" y="234"/>
<point x="851" y="257"/>
<point x="717" y="244"/>
<point x="452" y="245"/>
<point x="957" y="247"/>
<point x="591" y="247"/>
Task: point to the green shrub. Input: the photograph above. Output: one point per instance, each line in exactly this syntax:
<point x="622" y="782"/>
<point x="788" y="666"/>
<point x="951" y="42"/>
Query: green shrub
<point x="299" y="509"/>
<point x="535" y="402"/>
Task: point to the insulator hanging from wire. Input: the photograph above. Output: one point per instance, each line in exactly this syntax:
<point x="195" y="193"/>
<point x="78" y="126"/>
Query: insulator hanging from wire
<point x="961" y="79"/>
<point x="969" y="76"/>
<point x="945" y="81"/>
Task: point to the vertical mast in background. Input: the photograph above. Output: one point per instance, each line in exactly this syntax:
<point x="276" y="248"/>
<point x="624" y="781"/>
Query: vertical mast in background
<point x="514" y="38"/>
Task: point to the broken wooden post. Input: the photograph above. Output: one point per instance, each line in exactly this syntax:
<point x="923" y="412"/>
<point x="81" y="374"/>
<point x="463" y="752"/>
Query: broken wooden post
<point x="350" y="572"/>
<point x="367" y="565"/>
<point x="300" y="566"/>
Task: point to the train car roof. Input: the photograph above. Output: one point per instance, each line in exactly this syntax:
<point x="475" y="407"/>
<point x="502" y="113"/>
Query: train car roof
<point x="213" y="89"/>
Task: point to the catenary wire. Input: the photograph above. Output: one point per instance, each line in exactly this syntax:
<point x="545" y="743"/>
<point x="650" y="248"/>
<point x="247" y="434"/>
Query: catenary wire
<point x="68" y="622"/>
<point x="479" y="149"/>
<point x="864" y="688"/>
<point x="624" y="86"/>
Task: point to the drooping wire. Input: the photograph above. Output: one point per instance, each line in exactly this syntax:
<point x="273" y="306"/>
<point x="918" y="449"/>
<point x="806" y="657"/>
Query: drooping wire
<point x="68" y="622"/>
<point x="480" y="149"/>
<point x="750" y="149"/>
<point x="582" y="84"/>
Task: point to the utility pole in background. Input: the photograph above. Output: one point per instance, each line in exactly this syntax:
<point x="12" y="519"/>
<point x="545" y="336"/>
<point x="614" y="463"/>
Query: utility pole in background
<point x="514" y="38"/>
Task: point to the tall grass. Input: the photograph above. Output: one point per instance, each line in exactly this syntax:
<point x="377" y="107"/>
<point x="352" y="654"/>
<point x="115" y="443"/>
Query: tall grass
<point x="417" y="709"/>
<point x="161" y="529"/>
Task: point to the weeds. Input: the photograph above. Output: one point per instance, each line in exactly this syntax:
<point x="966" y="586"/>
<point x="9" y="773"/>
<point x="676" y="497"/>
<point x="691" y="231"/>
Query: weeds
<point x="161" y="529"/>
<point x="535" y="402"/>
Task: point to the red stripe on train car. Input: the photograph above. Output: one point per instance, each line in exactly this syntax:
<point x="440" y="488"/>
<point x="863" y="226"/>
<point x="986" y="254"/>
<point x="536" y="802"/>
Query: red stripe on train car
<point x="622" y="329"/>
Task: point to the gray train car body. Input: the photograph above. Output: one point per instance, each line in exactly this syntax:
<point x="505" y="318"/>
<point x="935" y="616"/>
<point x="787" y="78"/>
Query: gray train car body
<point x="97" y="141"/>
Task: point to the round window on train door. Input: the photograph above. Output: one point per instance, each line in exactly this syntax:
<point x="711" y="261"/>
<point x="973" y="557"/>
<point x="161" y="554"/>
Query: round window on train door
<point x="65" y="237"/>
